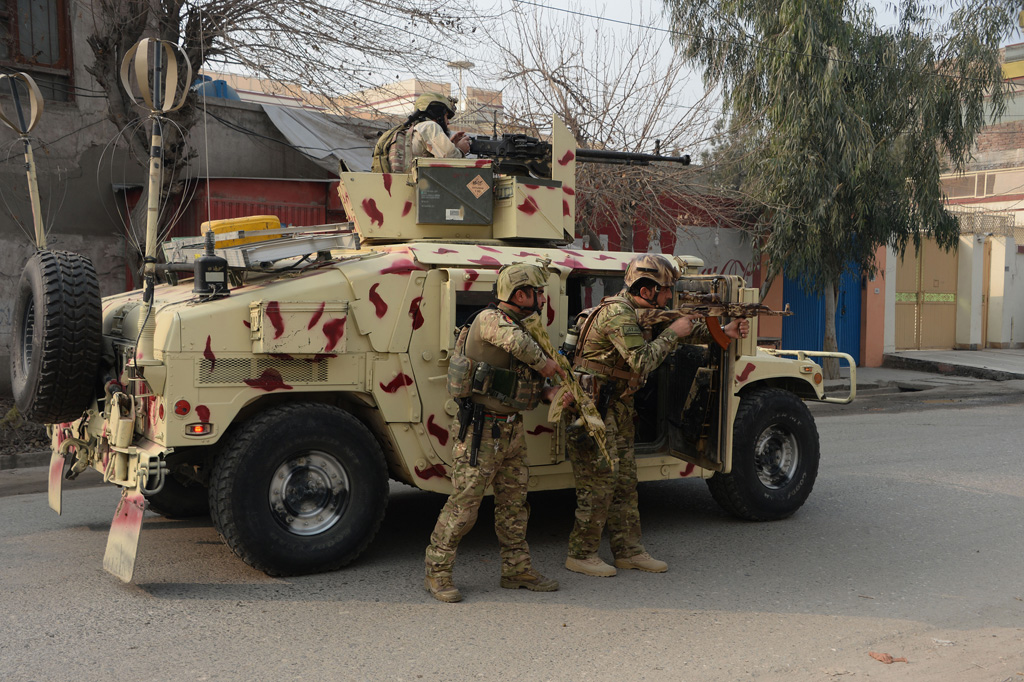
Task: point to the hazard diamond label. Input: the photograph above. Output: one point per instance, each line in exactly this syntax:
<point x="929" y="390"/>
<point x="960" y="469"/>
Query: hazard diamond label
<point x="478" y="186"/>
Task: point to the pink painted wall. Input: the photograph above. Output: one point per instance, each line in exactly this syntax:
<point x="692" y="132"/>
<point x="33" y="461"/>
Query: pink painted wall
<point x="872" y="329"/>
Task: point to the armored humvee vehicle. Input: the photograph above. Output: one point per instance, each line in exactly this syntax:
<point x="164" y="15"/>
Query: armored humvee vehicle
<point x="300" y="369"/>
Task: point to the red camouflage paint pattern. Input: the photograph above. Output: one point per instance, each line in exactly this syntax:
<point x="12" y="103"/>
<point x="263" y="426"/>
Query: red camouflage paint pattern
<point x="379" y="306"/>
<point x="539" y="429"/>
<point x="566" y="158"/>
<point x="128" y="514"/>
<point x="371" y="210"/>
<point x="406" y="208"/>
<point x="274" y="315"/>
<point x="486" y="260"/>
<point x="529" y="206"/>
<point x="570" y="262"/>
<point x="402" y="266"/>
<point x="687" y="470"/>
<point x="203" y="412"/>
<point x="742" y="376"/>
<point x="208" y="354"/>
<point x="316" y="316"/>
<point x="435" y="430"/>
<point x="334" y="330"/>
<point x="431" y="471"/>
<point x="471" y="276"/>
<point x="270" y="380"/>
<point x="387" y="183"/>
<point x="414" y="311"/>
<point x="401" y="381"/>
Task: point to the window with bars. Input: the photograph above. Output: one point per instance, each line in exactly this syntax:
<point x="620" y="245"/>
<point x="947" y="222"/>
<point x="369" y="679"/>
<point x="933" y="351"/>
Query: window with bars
<point x="35" y="37"/>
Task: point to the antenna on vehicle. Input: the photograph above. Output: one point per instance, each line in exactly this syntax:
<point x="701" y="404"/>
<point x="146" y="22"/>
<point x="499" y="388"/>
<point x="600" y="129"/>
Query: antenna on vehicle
<point x="157" y="82"/>
<point x="35" y="100"/>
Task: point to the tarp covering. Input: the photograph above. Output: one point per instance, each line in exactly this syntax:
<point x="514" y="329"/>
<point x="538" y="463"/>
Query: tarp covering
<point x="324" y="140"/>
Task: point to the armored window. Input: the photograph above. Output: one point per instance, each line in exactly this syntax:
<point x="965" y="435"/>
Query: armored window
<point x="35" y="37"/>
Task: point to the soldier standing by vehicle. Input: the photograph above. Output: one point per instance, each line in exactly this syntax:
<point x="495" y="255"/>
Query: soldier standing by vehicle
<point x="614" y="351"/>
<point x="424" y="133"/>
<point x="509" y="370"/>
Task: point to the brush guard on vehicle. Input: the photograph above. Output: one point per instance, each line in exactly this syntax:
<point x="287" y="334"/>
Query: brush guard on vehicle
<point x="804" y="354"/>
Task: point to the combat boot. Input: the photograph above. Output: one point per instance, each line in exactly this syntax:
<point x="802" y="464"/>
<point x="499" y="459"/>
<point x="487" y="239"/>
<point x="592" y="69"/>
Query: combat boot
<point x="531" y="580"/>
<point x="441" y="589"/>
<point x="642" y="562"/>
<point x="592" y="565"/>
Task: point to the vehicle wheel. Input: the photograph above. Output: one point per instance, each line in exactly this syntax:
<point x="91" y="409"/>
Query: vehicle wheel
<point x="57" y="331"/>
<point x="300" y="488"/>
<point x="774" y="457"/>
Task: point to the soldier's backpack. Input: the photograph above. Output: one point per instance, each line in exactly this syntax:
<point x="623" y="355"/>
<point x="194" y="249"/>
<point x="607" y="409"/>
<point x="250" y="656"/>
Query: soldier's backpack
<point x="393" y="151"/>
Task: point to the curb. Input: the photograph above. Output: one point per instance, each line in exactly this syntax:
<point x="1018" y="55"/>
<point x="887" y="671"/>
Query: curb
<point x="25" y="460"/>
<point x="935" y="367"/>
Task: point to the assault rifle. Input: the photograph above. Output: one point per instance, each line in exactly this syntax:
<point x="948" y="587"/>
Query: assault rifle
<point x="710" y="307"/>
<point x="591" y="418"/>
<point x="516" y="154"/>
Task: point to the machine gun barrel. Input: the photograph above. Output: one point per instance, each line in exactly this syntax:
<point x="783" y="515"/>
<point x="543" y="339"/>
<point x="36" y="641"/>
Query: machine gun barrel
<point x="517" y="154"/>
<point x="607" y="156"/>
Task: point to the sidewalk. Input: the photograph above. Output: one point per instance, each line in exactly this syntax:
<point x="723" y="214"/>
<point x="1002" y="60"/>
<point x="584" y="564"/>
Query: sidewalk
<point x="922" y="369"/>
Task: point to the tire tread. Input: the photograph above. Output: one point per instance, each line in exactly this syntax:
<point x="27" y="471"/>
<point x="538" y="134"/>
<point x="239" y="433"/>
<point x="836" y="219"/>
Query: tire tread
<point x="62" y="386"/>
<point x="242" y="440"/>
<point x="726" y="489"/>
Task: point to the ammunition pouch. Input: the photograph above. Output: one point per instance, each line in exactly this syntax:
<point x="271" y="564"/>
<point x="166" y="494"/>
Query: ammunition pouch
<point x="517" y="389"/>
<point x="461" y="371"/>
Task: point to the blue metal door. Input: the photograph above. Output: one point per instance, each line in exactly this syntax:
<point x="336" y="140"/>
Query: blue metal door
<point x="805" y="329"/>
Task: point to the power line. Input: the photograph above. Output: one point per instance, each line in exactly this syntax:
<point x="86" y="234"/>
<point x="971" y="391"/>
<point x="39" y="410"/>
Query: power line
<point x="752" y="45"/>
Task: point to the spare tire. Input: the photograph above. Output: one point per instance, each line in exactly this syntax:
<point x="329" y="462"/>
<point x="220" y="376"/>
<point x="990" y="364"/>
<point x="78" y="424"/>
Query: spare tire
<point x="55" y="352"/>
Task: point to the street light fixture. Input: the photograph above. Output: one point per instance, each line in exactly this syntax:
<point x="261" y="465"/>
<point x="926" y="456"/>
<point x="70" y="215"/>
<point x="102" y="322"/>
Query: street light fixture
<point x="461" y="67"/>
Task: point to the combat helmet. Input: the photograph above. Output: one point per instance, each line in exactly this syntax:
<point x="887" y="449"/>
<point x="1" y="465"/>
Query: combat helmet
<point x="512" y="277"/>
<point x="652" y="266"/>
<point x="424" y="101"/>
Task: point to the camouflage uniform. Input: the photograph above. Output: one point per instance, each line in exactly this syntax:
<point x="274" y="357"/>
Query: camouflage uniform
<point x="501" y="460"/>
<point x="429" y="139"/>
<point x="607" y="496"/>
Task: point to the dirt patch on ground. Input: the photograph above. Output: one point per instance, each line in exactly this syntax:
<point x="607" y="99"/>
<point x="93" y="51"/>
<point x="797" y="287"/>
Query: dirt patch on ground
<point x="18" y="435"/>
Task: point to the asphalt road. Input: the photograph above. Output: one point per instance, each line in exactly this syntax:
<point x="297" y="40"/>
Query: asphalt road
<point x="911" y="544"/>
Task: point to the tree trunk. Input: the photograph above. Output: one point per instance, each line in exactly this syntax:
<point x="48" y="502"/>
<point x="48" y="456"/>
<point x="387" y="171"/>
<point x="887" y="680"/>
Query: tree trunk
<point x="831" y="365"/>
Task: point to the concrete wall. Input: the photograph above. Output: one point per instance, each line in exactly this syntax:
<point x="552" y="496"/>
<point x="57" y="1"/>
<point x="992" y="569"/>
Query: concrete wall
<point x="81" y="173"/>
<point x="1002" y="280"/>
<point x="969" y="288"/>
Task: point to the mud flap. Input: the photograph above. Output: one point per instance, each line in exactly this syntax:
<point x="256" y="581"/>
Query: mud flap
<point x="123" y="541"/>
<point x="56" y="485"/>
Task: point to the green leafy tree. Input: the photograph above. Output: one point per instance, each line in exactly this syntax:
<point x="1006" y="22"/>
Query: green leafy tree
<point x="848" y="124"/>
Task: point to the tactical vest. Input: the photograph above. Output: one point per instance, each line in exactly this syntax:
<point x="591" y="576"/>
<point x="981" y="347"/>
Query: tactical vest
<point x="489" y="375"/>
<point x="620" y="370"/>
<point x="393" y="151"/>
